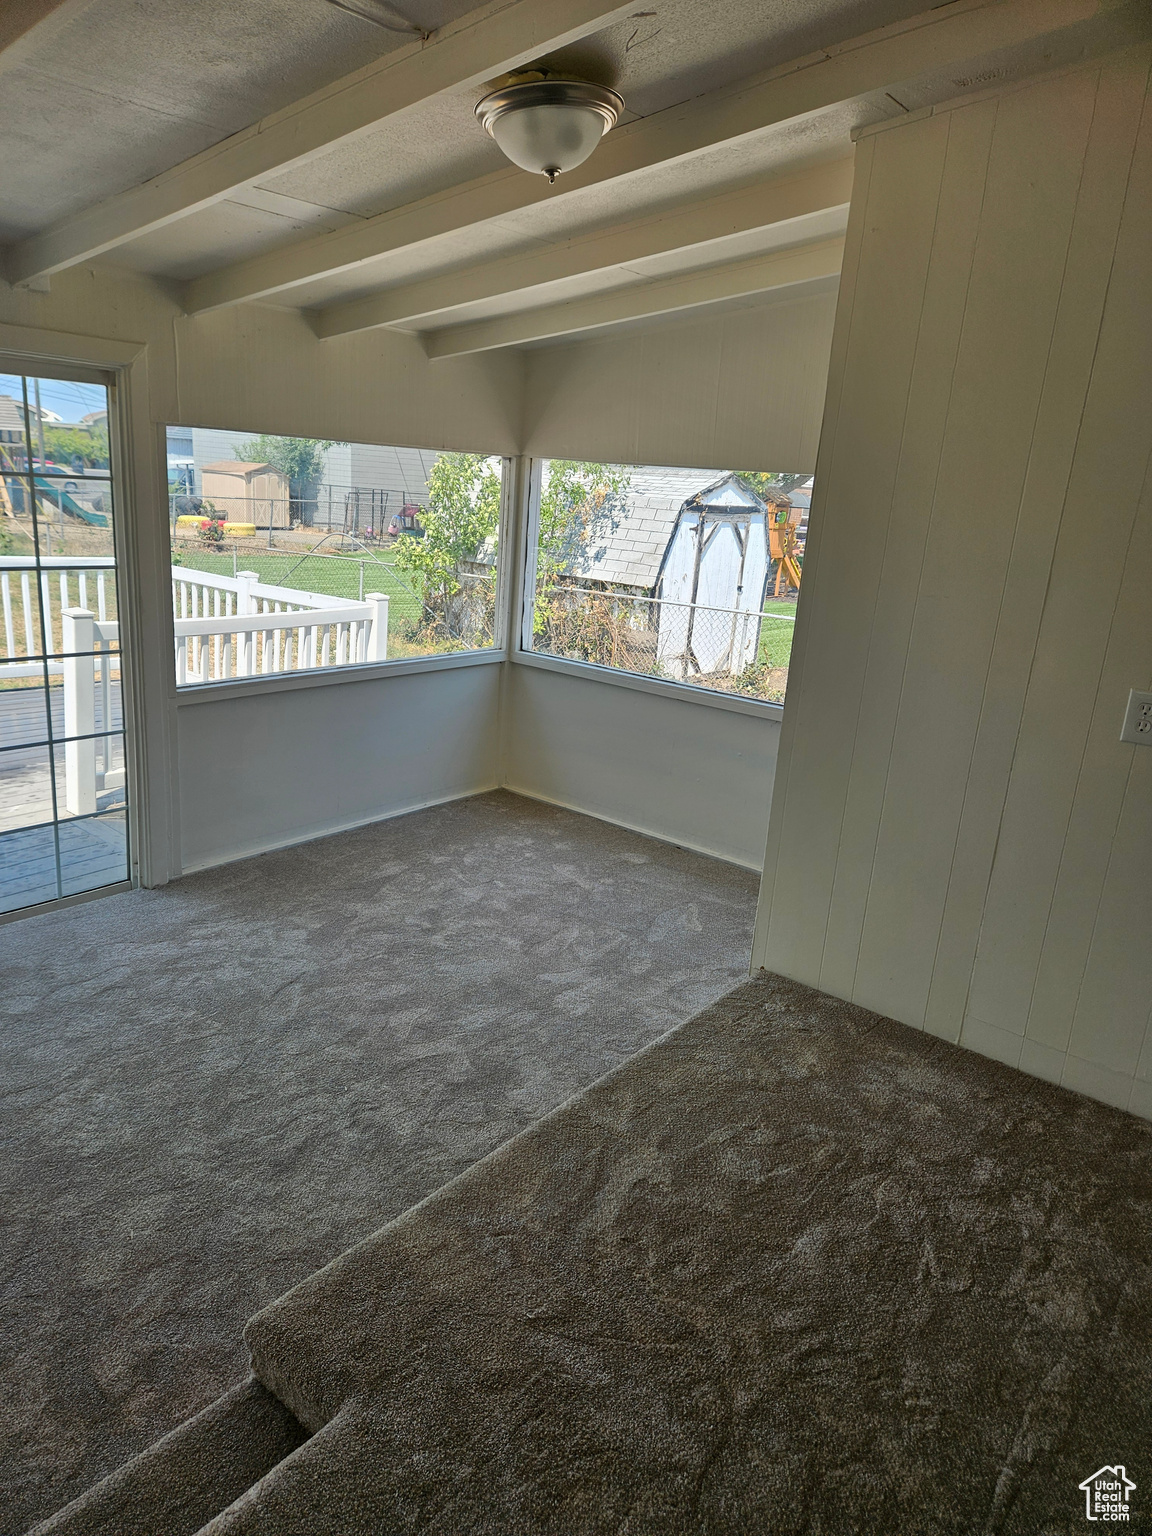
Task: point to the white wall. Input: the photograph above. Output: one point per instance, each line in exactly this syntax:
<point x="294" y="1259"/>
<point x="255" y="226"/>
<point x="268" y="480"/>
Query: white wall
<point x="242" y="774"/>
<point x="958" y="836"/>
<point x="323" y="758"/>
<point x="741" y="388"/>
<point x="739" y="391"/>
<point x="688" y="773"/>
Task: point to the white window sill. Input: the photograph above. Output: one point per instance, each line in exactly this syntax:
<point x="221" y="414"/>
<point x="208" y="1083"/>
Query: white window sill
<point x="683" y="692"/>
<point x="320" y="677"/>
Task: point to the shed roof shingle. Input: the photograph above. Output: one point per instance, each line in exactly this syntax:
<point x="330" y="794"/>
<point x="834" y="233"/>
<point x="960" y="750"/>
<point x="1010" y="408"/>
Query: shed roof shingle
<point x="629" y="551"/>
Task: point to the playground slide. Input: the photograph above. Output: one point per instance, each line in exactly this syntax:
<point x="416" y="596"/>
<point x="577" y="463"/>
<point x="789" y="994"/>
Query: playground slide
<point x="54" y="495"/>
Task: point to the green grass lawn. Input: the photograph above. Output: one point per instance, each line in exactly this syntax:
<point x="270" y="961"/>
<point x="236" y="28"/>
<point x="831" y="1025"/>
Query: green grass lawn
<point x="776" y="636"/>
<point x="333" y="575"/>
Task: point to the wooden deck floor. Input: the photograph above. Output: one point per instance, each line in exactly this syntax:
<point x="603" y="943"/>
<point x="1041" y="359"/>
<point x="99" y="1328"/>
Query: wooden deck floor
<point x="92" y="850"/>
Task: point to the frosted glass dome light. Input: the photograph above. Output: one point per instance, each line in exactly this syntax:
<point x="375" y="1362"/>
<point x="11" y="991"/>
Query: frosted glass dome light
<point x="549" y="126"/>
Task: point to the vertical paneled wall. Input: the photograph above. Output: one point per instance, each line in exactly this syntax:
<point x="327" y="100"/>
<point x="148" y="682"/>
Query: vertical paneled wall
<point x="958" y="836"/>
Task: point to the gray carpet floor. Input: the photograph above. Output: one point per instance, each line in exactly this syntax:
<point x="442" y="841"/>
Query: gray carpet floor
<point x="211" y="1089"/>
<point x="794" y="1269"/>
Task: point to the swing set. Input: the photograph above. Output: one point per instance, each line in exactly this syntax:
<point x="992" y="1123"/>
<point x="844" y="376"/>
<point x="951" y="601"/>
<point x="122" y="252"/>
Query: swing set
<point x="782" y="526"/>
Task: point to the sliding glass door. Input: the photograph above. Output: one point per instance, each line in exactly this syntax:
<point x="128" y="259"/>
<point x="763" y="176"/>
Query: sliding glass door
<point x="63" y="792"/>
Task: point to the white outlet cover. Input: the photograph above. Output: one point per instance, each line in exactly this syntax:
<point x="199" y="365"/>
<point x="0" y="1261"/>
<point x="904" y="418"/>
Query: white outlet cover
<point x="1138" y="719"/>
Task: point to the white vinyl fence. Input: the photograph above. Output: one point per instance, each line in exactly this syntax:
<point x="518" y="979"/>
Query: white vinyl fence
<point x="225" y="627"/>
<point x="236" y="626"/>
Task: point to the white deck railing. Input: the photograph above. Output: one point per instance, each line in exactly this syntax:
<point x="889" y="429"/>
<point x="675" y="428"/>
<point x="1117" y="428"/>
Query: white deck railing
<point x="90" y="652"/>
<point x="64" y="582"/>
<point x="238" y="626"/>
<point x="226" y="626"/>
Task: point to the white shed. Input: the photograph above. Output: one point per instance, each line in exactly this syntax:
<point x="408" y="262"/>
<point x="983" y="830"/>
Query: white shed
<point x="712" y="582"/>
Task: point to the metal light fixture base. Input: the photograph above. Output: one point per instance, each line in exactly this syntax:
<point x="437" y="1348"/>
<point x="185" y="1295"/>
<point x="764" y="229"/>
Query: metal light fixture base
<point x="543" y="91"/>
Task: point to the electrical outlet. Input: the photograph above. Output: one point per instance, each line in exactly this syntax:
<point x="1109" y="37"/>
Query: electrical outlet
<point x="1138" y="719"/>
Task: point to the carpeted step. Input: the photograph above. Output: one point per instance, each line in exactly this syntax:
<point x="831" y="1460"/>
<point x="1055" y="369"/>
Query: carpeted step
<point x="795" y="1265"/>
<point x="181" y="1482"/>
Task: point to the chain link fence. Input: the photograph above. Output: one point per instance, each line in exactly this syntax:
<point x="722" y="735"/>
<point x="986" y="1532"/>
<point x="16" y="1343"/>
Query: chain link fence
<point x="724" y="649"/>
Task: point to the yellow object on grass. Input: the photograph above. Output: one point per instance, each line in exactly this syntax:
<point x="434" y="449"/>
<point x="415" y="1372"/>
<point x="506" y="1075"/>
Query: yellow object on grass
<point x="237" y="530"/>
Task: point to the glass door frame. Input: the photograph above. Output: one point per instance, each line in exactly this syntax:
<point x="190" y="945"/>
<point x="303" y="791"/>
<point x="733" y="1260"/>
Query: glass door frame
<point x="137" y="467"/>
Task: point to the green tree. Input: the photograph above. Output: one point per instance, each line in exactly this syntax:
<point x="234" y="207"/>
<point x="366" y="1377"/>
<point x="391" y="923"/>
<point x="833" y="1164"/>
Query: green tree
<point x="299" y="459"/>
<point x="579" y="502"/>
<point x="762" y="480"/>
<point x="63" y="444"/>
<point x="462" y="512"/>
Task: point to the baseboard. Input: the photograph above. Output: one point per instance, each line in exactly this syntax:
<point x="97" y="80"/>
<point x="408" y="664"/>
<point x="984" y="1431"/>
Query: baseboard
<point x="275" y="844"/>
<point x="631" y="826"/>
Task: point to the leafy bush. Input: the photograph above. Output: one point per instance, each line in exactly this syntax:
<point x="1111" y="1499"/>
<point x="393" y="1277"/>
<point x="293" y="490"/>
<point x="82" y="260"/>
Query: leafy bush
<point x="63" y="444"/>
<point x="211" y="530"/>
<point x="462" y="515"/>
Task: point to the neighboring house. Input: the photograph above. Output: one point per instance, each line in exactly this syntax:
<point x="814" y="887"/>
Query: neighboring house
<point x="11" y="420"/>
<point x="801" y="498"/>
<point x="362" y="485"/>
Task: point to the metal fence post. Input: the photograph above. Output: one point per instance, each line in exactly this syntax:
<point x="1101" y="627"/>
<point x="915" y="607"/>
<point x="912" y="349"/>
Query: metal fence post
<point x="79" y="635"/>
<point x="377" y="648"/>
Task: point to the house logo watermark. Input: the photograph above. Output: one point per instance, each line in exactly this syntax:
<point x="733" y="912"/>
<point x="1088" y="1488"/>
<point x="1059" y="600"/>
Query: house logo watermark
<point x="1106" y="1494"/>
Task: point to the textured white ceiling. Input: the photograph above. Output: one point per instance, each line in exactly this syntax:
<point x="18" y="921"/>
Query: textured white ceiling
<point x="185" y="249"/>
<point x="112" y="92"/>
<point x="693" y="258"/>
<point x="685" y="50"/>
<point x="115" y="91"/>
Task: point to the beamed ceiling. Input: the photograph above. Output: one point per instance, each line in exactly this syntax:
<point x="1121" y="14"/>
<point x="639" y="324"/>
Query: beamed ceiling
<point x="286" y="152"/>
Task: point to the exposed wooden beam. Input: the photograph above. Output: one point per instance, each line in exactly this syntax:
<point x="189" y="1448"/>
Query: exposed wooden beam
<point x="488" y="42"/>
<point x="952" y="33"/>
<point x="781" y="201"/>
<point x="662" y="296"/>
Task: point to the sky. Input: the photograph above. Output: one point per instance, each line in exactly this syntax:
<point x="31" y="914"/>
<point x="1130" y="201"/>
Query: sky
<point x="69" y="400"/>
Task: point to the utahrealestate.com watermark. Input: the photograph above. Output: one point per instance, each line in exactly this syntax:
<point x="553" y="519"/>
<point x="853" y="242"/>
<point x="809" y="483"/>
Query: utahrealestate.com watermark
<point x="1106" y="1494"/>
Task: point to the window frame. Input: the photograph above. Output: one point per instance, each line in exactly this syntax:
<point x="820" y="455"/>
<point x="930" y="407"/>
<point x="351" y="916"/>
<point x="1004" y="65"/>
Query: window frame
<point x="363" y="672"/>
<point x="523" y="653"/>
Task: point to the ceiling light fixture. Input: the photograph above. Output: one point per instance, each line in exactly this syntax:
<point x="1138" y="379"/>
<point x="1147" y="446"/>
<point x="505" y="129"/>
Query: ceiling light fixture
<point x="547" y="124"/>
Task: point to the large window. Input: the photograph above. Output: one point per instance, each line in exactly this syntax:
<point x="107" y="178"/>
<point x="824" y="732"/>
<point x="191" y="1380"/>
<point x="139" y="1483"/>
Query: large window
<point x="690" y="575"/>
<point x="63" y="798"/>
<point x="292" y="554"/>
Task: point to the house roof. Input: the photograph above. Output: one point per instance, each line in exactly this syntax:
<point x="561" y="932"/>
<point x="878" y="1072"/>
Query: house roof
<point x="11" y="415"/>
<point x="235" y="467"/>
<point x="630" y="552"/>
